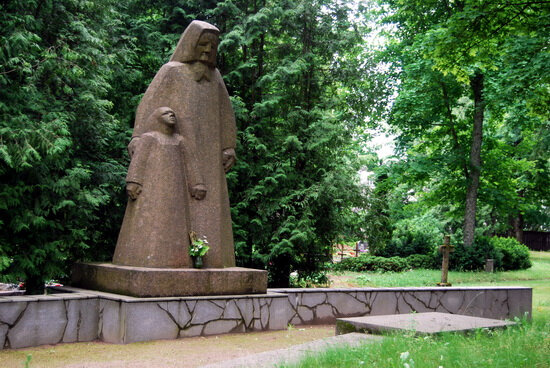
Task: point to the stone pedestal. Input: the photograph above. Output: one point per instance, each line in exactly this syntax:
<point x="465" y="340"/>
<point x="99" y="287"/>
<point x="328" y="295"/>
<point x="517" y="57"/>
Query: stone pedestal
<point x="168" y="282"/>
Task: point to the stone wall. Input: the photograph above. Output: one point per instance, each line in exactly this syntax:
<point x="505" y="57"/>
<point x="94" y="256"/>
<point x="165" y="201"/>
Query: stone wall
<point x="38" y="320"/>
<point x="78" y="315"/>
<point x="310" y="306"/>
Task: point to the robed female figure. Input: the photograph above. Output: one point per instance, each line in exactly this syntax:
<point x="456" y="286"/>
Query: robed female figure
<point x="192" y="86"/>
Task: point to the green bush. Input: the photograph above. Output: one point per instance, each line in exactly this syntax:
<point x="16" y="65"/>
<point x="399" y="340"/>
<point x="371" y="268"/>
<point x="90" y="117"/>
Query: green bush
<point x="417" y="235"/>
<point x="473" y="258"/>
<point x="366" y="262"/>
<point x="425" y="261"/>
<point x="515" y="256"/>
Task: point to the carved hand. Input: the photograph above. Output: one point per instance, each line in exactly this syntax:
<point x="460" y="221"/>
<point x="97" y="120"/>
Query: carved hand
<point x="133" y="190"/>
<point x="198" y="191"/>
<point x="229" y="159"/>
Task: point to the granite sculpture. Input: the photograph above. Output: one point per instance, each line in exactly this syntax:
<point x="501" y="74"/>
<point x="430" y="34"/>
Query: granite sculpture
<point x="191" y="85"/>
<point x="156" y="224"/>
<point x="182" y="145"/>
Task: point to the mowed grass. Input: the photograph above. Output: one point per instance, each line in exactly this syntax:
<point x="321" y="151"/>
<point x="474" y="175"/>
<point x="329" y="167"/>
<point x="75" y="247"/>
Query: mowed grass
<point x="539" y="271"/>
<point x="525" y="345"/>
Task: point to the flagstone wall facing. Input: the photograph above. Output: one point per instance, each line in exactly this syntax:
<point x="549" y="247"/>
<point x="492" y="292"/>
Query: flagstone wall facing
<point x="77" y="315"/>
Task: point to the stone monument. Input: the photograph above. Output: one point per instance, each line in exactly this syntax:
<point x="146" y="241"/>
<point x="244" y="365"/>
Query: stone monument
<point x="182" y="145"/>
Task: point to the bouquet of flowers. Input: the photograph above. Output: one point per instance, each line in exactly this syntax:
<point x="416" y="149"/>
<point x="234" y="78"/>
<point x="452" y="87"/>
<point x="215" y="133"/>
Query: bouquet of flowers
<point x="199" y="246"/>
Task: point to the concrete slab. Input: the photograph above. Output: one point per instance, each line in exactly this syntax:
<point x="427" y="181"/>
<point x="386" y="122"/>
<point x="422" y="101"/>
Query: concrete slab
<point x="421" y="323"/>
<point x="294" y="354"/>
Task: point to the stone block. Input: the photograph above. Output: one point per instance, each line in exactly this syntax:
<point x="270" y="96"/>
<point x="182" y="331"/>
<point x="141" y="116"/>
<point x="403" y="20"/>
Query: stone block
<point x="305" y="314"/>
<point x="219" y="327"/>
<point x="41" y="323"/>
<point x="256" y="308"/>
<point x="264" y="316"/>
<point x="313" y="299"/>
<point x="83" y="319"/>
<point x="179" y="311"/>
<point x="384" y="302"/>
<point x="246" y="308"/>
<point x="166" y="282"/>
<point x="279" y="314"/>
<point x="112" y="325"/>
<point x="206" y="311"/>
<point x="257" y="325"/>
<point x="324" y="314"/>
<point x="520" y="302"/>
<point x="452" y="301"/>
<point x="346" y="305"/>
<point x="473" y="303"/>
<point x="231" y="310"/>
<point x="3" y="332"/>
<point x="148" y="321"/>
<point x="295" y="320"/>
<point x="9" y="312"/>
<point x="418" y="300"/>
<point x="192" y="331"/>
<point x="496" y="304"/>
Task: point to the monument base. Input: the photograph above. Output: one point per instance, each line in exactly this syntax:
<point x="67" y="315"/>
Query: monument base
<point x="167" y="282"/>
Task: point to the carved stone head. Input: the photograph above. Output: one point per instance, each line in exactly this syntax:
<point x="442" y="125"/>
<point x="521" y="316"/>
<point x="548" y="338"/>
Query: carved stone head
<point x="161" y="119"/>
<point x="199" y="42"/>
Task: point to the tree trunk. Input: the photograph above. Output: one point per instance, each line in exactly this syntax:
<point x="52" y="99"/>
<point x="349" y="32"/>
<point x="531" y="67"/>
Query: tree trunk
<point x="476" y="83"/>
<point x="516" y="230"/>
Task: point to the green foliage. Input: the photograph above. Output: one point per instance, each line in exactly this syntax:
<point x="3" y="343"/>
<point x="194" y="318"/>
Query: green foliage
<point x="422" y="261"/>
<point x="313" y="279"/>
<point x="415" y="235"/>
<point x="293" y="72"/>
<point x="515" y="256"/>
<point x="366" y="262"/>
<point x="437" y="48"/>
<point x="473" y="258"/>
<point x="59" y="143"/>
<point x="72" y="74"/>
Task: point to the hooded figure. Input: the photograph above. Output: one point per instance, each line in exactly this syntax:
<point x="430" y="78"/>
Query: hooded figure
<point x="192" y="86"/>
<point x="156" y="224"/>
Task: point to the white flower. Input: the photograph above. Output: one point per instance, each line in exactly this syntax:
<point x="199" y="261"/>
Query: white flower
<point x="404" y="356"/>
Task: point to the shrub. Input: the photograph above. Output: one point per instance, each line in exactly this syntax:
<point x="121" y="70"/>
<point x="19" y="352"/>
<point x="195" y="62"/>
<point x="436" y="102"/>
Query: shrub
<point x="367" y="262"/>
<point x="473" y="258"/>
<point x="425" y="261"/>
<point x="417" y="235"/>
<point x="515" y="256"/>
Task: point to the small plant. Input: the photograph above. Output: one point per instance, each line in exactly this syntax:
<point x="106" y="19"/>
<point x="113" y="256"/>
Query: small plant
<point x="310" y="279"/>
<point x="28" y="361"/>
<point x="199" y="246"/>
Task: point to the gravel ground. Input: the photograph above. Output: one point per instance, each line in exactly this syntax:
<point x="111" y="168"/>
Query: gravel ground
<point x="189" y="352"/>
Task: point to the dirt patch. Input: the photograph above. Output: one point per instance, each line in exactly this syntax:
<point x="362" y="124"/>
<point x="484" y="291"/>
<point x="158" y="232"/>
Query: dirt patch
<point x="188" y="352"/>
<point x="342" y="281"/>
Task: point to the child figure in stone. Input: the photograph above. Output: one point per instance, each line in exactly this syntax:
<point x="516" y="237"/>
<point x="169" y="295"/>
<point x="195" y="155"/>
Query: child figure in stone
<point x="162" y="180"/>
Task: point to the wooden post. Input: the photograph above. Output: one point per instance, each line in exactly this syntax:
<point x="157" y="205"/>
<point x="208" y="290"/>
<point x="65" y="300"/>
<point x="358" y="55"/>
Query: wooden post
<point x="445" y="249"/>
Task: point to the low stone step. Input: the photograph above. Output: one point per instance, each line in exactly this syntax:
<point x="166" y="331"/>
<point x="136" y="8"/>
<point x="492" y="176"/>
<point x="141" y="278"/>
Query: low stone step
<point x="421" y="323"/>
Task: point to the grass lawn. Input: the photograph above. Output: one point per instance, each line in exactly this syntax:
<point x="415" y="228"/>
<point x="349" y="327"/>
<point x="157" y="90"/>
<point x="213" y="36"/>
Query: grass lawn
<point x="526" y="345"/>
<point x="539" y="271"/>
